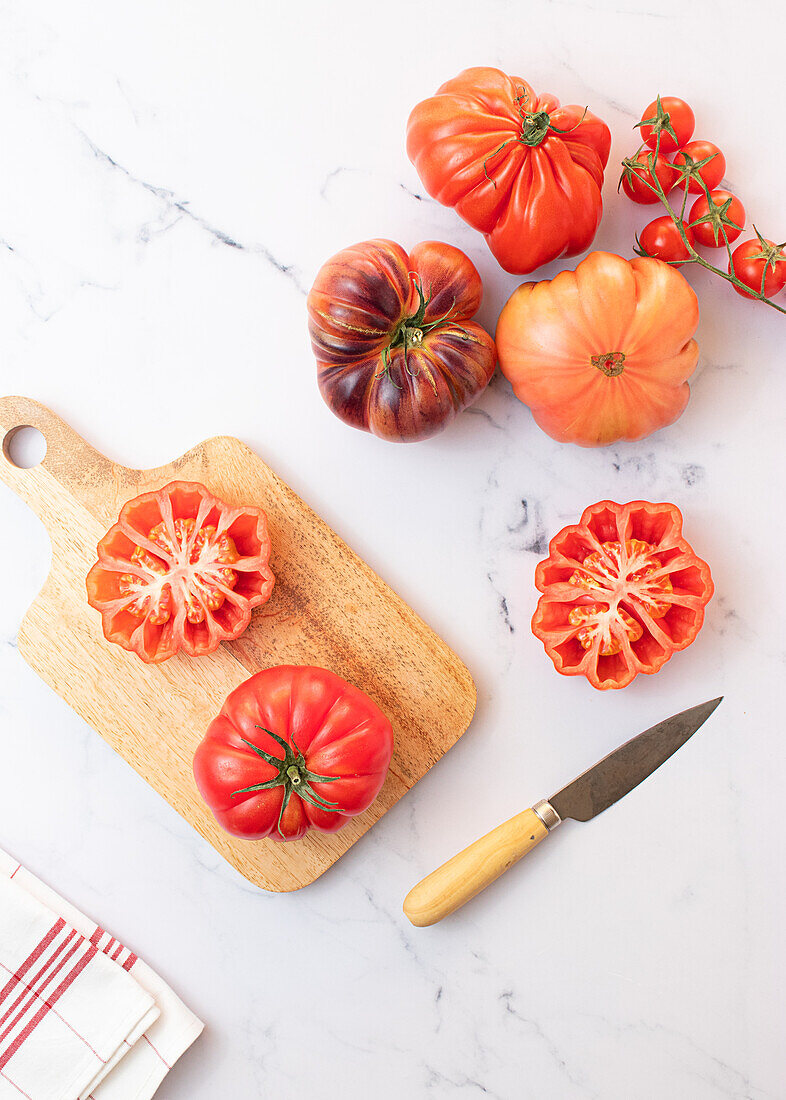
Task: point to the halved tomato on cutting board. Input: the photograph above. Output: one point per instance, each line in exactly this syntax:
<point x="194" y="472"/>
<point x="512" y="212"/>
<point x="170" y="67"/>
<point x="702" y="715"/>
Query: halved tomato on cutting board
<point x="180" y="570"/>
<point x="622" y="592"/>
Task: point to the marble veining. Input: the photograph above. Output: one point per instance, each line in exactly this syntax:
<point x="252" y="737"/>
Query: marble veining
<point x="171" y="184"/>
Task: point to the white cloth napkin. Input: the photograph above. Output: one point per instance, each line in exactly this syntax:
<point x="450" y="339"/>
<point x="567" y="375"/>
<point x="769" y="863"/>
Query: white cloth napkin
<point x="81" y="1017"/>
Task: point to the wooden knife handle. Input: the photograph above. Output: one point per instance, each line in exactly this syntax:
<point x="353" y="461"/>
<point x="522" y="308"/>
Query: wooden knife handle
<point x="469" y="872"/>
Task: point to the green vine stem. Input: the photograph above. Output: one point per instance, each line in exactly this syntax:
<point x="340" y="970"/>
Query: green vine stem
<point x="686" y="172"/>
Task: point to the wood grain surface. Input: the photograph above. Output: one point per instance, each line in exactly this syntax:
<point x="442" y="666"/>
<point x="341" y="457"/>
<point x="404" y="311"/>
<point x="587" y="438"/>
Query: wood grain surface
<point x="328" y="608"/>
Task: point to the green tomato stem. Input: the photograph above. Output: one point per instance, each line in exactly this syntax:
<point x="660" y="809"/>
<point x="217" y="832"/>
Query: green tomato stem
<point x="293" y="776"/>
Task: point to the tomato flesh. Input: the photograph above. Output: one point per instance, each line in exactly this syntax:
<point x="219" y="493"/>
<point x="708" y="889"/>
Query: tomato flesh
<point x="200" y="564"/>
<point x="634" y="573"/>
<point x="180" y="569"/>
<point x="598" y="618"/>
<point x="621" y="591"/>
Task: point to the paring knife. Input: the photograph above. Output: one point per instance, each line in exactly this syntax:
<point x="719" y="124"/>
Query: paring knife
<point x="472" y="870"/>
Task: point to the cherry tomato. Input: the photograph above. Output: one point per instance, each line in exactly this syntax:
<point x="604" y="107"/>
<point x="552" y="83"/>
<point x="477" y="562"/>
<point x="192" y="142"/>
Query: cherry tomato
<point x="755" y="260"/>
<point x="635" y="182"/>
<point x="661" y="239"/>
<point x="665" y="114"/>
<point x="711" y="233"/>
<point x="712" y="172"/>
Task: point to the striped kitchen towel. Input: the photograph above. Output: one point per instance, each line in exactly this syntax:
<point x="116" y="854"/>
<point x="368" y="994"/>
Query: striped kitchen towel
<point x="81" y="1017"/>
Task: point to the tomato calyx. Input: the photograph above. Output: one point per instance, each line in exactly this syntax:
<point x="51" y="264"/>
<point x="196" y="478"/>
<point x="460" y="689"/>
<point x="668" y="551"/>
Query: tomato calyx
<point x="411" y="331"/>
<point x="717" y="218"/>
<point x="688" y="169"/>
<point x="293" y="776"/>
<point x="772" y="254"/>
<point x="611" y="363"/>
<point x="535" y="128"/>
<point x="659" y="122"/>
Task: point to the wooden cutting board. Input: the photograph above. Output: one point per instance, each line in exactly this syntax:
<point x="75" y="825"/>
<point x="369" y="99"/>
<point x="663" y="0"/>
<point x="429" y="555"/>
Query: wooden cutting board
<point x="328" y="608"/>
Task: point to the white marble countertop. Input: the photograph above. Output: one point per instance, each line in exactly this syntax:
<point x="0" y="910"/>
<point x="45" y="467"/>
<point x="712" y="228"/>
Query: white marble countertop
<point x="171" y="180"/>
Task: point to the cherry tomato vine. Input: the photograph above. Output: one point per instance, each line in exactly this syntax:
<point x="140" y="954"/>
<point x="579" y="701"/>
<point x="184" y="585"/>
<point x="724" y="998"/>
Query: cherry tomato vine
<point x="644" y="170"/>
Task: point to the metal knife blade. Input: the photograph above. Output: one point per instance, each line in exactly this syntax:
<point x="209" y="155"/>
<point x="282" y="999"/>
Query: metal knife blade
<point x="623" y="769"/>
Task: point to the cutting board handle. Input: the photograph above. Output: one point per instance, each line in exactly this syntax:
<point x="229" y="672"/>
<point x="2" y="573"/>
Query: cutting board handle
<point x="68" y="458"/>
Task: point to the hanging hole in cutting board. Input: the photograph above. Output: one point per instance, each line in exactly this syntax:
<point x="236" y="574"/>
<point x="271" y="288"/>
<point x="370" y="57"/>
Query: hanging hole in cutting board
<point x="24" y="447"/>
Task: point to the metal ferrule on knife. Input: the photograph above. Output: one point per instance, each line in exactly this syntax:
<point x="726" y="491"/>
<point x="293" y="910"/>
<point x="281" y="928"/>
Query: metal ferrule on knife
<point x="547" y="814"/>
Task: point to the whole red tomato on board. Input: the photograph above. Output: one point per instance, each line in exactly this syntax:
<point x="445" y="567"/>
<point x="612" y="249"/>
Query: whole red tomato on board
<point x="294" y="748"/>
<point x="180" y="569"/>
<point x="397" y="352"/>
<point x="515" y="165"/>
<point x="622" y="592"/>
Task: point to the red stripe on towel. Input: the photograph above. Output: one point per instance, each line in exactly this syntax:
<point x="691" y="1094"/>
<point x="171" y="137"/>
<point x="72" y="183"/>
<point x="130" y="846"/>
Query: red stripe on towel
<point x="34" y="991"/>
<point x="66" y="983"/>
<point x="34" y="955"/>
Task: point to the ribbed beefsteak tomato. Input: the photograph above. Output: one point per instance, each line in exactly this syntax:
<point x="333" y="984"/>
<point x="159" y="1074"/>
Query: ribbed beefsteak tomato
<point x="294" y="748"/>
<point x="397" y="352"/>
<point x="517" y="166"/>
<point x="622" y="591"/>
<point x="604" y="352"/>
<point x="180" y="569"/>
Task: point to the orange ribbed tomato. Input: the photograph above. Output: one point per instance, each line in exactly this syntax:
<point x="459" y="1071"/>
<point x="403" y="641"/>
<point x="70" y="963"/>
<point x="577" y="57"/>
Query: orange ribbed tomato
<point x="604" y="352"/>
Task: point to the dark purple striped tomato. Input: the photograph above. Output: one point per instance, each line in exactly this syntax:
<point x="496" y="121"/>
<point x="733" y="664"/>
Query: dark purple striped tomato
<point x="397" y="352"/>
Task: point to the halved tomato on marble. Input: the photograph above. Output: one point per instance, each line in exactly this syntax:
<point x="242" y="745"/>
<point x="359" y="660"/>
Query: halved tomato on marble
<point x="622" y="592"/>
<point x="180" y="569"/>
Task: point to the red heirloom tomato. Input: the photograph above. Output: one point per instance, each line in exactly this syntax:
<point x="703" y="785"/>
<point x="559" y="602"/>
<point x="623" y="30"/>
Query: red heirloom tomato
<point x="637" y="180"/>
<point x="397" y="354"/>
<point x="712" y="172"/>
<point x="672" y="119"/>
<point x="517" y="166"/>
<point x="604" y="352"/>
<point x="180" y="569"/>
<point x="622" y="591"/>
<point x="661" y="239"/>
<point x="708" y="224"/>
<point x="294" y="748"/>
<point x="761" y="265"/>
